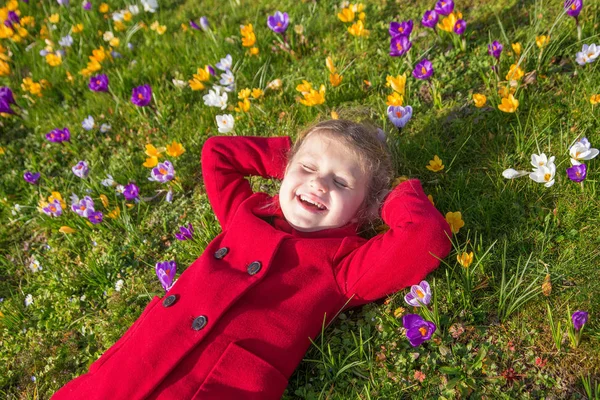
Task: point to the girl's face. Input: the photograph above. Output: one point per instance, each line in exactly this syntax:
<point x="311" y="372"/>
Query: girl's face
<point x="323" y="187"/>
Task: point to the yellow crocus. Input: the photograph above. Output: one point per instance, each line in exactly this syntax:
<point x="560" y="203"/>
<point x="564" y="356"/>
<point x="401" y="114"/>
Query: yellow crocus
<point x="249" y="40"/>
<point x="330" y="66"/>
<point x="447" y="24"/>
<point x="304" y="87"/>
<point x="114" y="42"/>
<point x="346" y="15"/>
<point x="53" y="59"/>
<point x="257" y="93"/>
<point x="254" y="51"/>
<point x="244" y="94"/>
<point x="104" y="200"/>
<point x="150" y="162"/>
<point x="12" y="5"/>
<point x="358" y="29"/>
<point x="6" y="32"/>
<point x="120" y="26"/>
<point x="465" y="259"/>
<point x="93" y="65"/>
<point x="595" y="99"/>
<point x="114" y="214"/>
<point x="509" y="104"/>
<point x="202" y="75"/>
<point x="517" y="48"/>
<point x="243" y="105"/>
<point x="397" y="83"/>
<point x="77" y="28"/>
<point x="99" y="54"/>
<point x="161" y="29"/>
<point x="515" y="73"/>
<point x="334" y="115"/>
<point x="395" y="99"/>
<point x="66" y="229"/>
<point x="175" y="149"/>
<point x="152" y="151"/>
<point x="335" y="79"/>
<point x="455" y="221"/>
<point x="57" y="196"/>
<point x="54" y="18"/>
<point x="542" y="41"/>
<point x="103" y="8"/>
<point x="435" y="165"/>
<point x="313" y="97"/>
<point x="4" y="68"/>
<point x="195" y="84"/>
<point x="127" y="16"/>
<point x="479" y="100"/>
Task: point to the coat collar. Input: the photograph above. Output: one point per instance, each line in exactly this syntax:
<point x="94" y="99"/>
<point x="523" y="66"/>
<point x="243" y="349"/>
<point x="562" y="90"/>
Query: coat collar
<point x="268" y="208"/>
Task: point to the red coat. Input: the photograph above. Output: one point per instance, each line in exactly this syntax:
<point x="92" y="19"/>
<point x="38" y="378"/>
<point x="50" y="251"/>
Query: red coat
<point x="238" y="321"/>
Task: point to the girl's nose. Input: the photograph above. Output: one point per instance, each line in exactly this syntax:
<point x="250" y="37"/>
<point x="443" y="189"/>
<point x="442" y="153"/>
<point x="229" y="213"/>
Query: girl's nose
<point x="319" y="184"/>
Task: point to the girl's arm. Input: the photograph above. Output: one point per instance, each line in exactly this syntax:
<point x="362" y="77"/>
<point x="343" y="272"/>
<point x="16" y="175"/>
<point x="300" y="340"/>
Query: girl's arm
<point x="227" y="160"/>
<point x="402" y="256"/>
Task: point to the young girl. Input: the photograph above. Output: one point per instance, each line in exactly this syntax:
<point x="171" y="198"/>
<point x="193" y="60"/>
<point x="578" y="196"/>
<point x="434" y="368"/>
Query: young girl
<point x="240" y="318"/>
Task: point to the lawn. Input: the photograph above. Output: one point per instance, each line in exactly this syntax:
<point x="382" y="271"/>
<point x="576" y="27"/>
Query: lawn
<point x="495" y="109"/>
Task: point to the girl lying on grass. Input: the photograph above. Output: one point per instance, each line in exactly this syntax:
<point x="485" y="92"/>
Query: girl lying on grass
<point x="241" y="317"/>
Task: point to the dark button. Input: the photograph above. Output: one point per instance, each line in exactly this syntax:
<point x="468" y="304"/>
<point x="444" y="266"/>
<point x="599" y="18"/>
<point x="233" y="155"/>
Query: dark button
<point x="199" y="323"/>
<point x="222" y="252"/>
<point x="169" y="300"/>
<point x="254" y="267"/>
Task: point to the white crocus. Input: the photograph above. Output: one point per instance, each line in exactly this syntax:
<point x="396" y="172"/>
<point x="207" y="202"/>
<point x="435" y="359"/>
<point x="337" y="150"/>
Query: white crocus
<point x="227" y="78"/>
<point x="225" y="63"/>
<point x="225" y="123"/>
<point x="150" y="5"/>
<point x="582" y="150"/>
<point x="215" y="99"/>
<point x="119" y="285"/>
<point x="180" y="84"/>
<point x="513" y="173"/>
<point x="34" y="266"/>
<point x="108" y="36"/>
<point x="28" y="300"/>
<point x="134" y="9"/>
<point x="544" y="174"/>
<point x="588" y="54"/>
<point x="541" y="161"/>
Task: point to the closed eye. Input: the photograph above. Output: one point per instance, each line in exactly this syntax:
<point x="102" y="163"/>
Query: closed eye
<point x="341" y="184"/>
<point x="307" y="168"/>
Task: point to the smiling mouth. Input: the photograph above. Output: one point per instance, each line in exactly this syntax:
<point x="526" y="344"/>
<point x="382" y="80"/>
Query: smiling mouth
<point x="310" y="204"/>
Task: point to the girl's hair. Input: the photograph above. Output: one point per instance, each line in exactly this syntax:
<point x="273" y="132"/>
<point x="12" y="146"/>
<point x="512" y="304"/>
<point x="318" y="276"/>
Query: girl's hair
<point x="368" y="143"/>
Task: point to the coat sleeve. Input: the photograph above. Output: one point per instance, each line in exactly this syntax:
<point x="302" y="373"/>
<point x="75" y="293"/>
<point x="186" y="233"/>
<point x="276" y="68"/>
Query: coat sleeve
<point x="400" y="257"/>
<point x="227" y="160"/>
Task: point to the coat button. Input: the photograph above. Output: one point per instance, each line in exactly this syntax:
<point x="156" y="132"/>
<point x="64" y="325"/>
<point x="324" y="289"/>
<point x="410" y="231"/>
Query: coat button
<point x="254" y="267"/>
<point x="199" y="323"/>
<point x="221" y="253"/>
<point x="169" y="300"/>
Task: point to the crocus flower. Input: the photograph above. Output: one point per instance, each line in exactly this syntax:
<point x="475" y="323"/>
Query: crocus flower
<point x="588" y="54"/>
<point x="579" y="319"/>
<point x="444" y="7"/>
<point x="31" y="177"/>
<point x="95" y="217"/>
<point x="163" y="172"/>
<point x="99" y="83"/>
<point x="582" y="150"/>
<point x="541" y="160"/>
<point x="460" y="26"/>
<point x="511" y="173"/>
<point x="419" y="295"/>
<point x="59" y="135"/>
<point x="66" y="41"/>
<point x="399" y="45"/>
<point x="185" y="233"/>
<point x="83" y="207"/>
<point x="573" y="7"/>
<point x="577" y="173"/>
<point x="6" y="100"/>
<point x="225" y="123"/>
<point x="495" y="49"/>
<point x="131" y="191"/>
<point x="544" y="174"/>
<point x="86" y="5"/>
<point x="479" y="100"/>
<point x="399" y="115"/>
<point x="165" y="271"/>
<point x="204" y="23"/>
<point x="423" y="69"/>
<point x="215" y="98"/>
<point x="417" y="329"/>
<point x="279" y="22"/>
<point x="81" y="169"/>
<point x="225" y="63"/>
<point x="430" y="19"/>
<point x="53" y="209"/>
<point x="509" y="104"/>
<point x="88" y="123"/>
<point x="141" y="95"/>
<point x="403" y="28"/>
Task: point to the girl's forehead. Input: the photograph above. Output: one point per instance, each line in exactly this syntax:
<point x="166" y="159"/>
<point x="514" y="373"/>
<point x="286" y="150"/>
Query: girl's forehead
<point x="324" y="148"/>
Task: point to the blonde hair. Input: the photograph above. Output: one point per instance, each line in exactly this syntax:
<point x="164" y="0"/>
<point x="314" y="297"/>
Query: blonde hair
<point x="368" y="143"/>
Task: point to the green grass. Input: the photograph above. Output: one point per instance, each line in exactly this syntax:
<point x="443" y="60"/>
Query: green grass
<point x="496" y="337"/>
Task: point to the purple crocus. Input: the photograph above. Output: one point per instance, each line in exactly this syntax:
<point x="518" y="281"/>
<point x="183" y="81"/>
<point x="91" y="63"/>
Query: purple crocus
<point x="403" y="28"/>
<point x="573" y="7"/>
<point x="399" y="45"/>
<point x="194" y="25"/>
<point x="495" y="49"/>
<point x="204" y="23"/>
<point x="279" y="22"/>
<point x="87" y="6"/>
<point x="163" y="172"/>
<point x="53" y="209"/>
<point x="400" y="116"/>
<point x="430" y="19"/>
<point x="423" y="70"/>
<point x="83" y="207"/>
<point x="460" y="26"/>
<point x="444" y="7"/>
<point x="12" y="18"/>
<point x="99" y="83"/>
<point x="31" y="177"/>
<point x="185" y="233"/>
<point x="210" y="70"/>
<point x="95" y="217"/>
<point x="417" y="329"/>
<point x="579" y="319"/>
<point x="59" y="135"/>
<point x="131" y="191"/>
<point x="419" y="295"/>
<point x="6" y="100"/>
<point x="141" y="95"/>
<point x="165" y="271"/>
<point x="81" y="169"/>
<point x="577" y="173"/>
